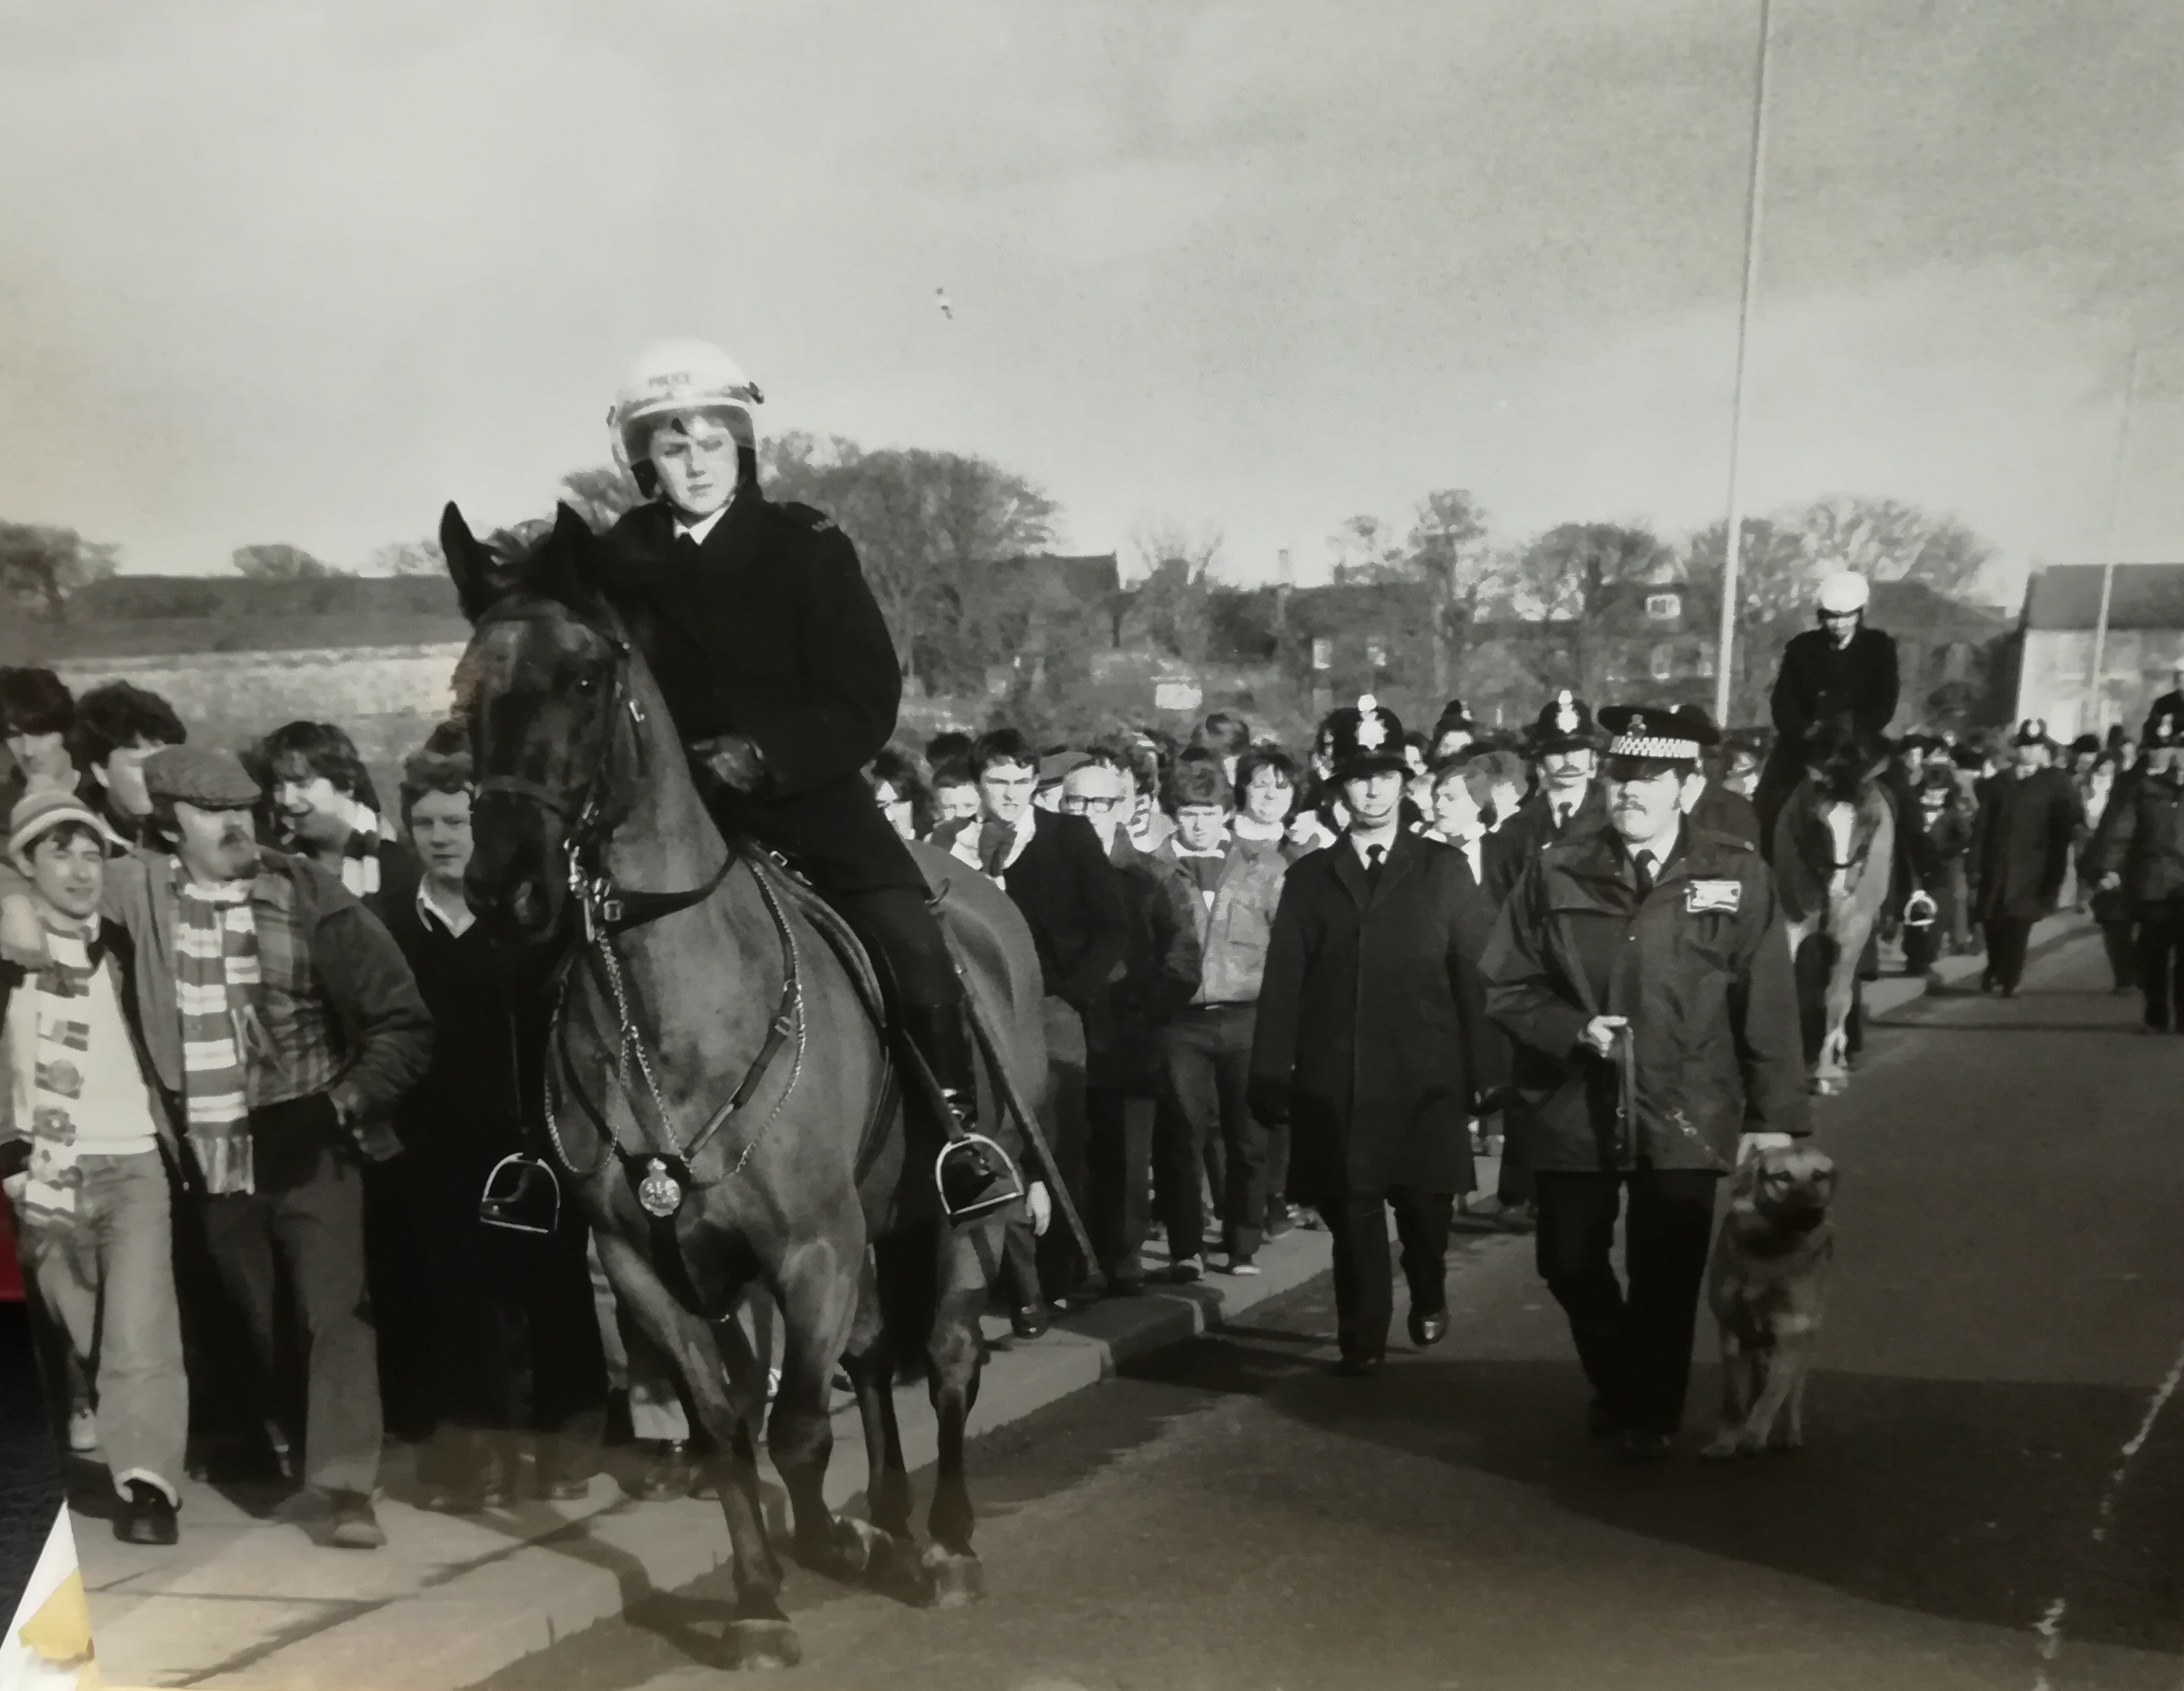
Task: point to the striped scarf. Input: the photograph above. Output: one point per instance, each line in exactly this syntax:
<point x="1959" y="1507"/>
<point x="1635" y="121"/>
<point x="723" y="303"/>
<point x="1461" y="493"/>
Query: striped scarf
<point x="216" y="975"/>
<point x="60" y="1039"/>
<point x="367" y="833"/>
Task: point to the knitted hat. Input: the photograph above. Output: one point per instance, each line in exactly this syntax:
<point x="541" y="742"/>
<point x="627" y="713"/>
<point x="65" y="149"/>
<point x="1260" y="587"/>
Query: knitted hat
<point x="41" y="813"/>
<point x="198" y="776"/>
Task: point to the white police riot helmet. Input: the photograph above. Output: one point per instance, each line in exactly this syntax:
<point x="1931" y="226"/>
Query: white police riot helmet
<point x="671" y="378"/>
<point x="1844" y="593"/>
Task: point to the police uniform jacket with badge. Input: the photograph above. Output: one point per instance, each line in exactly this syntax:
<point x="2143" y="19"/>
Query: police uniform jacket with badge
<point x="770" y="631"/>
<point x="1370" y="1017"/>
<point x="1701" y="967"/>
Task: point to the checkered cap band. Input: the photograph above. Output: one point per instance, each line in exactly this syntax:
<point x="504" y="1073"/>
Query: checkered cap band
<point x="1650" y="746"/>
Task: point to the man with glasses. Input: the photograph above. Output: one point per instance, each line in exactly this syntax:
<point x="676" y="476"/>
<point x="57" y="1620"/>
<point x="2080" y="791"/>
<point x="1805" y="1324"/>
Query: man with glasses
<point x="1642" y="970"/>
<point x="1052" y="866"/>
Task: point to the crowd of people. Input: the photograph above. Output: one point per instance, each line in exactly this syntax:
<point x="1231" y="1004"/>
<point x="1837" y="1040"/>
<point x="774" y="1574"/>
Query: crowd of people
<point x="264" y="1064"/>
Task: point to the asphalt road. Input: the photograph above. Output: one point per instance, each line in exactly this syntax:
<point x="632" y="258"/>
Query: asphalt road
<point x="1993" y="1496"/>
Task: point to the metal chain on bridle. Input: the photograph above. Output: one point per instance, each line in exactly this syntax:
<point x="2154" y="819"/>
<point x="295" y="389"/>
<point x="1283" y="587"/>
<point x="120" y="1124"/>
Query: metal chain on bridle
<point x="608" y="911"/>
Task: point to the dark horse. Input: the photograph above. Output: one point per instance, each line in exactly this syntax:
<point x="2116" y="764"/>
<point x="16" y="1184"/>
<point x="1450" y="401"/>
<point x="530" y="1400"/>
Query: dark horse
<point x="1835" y="842"/>
<point x="718" y="1090"/>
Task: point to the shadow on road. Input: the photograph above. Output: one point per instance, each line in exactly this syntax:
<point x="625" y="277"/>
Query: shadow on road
<point x="1971" y="1500"/>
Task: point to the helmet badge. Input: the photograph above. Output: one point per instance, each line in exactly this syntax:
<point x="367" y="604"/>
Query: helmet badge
<point x="1637" y="728"/>
<point x="1372" y="731"/>
<point x="1565" y="712"/>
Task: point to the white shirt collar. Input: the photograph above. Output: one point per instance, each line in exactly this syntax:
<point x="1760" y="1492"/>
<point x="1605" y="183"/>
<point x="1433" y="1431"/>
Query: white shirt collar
<point x="434" y="915"/>
<point x="698" y="530"/>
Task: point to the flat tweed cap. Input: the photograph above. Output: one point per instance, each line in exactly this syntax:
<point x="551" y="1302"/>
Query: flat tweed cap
<point x="198" y="776"/>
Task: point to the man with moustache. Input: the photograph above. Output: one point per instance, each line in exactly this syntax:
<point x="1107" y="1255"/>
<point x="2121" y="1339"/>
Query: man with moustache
<point x="283" y="1025"/>
<point x="1564" y="747"/>
<point x="1641" y="969"/>
<point x="755" y="620"/>
<point x="1371" y="1039"/>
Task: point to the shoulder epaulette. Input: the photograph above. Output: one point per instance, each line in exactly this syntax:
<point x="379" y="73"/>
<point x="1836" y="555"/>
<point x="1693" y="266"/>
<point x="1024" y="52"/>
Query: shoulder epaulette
<point x="802" y="516"/>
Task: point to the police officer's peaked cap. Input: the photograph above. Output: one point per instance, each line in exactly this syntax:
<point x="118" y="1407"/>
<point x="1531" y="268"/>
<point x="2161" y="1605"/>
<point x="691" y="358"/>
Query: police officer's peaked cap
<point x="1653" y="731"/>
<point x="1565" y="725"/>
<point x="1364" y="739"/>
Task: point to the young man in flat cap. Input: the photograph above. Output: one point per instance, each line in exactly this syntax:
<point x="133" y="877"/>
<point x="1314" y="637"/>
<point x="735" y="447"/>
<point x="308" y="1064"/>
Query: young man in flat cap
<point x="2021" y="840"/>
<point x="1371" y="1040"/>
<point x="1564" y="747"/>
<point x="85" y="1133"/>
<point x="284" y="1025"/>
<point x="1640" y="965"/>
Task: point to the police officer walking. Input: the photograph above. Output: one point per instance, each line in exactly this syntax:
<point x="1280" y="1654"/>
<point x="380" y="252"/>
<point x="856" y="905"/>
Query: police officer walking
<point x="1371" y="1039"/>
<point x="755" y="620"/>
<point x="1642" y="968"/>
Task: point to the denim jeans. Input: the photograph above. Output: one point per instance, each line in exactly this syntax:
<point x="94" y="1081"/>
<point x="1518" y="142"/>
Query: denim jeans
<point x="107" y="1275"/>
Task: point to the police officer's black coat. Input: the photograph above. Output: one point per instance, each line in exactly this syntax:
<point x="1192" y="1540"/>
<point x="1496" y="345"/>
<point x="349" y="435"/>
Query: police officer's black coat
<point x="770" y="633"/>
<point x="1532" y="831"/>
<point x="2021" y="844"/>
<point x="1819" y="679"/>
<point x="1371" y="1015"/>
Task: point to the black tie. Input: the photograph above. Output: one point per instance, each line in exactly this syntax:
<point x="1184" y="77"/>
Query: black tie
<point x="1374" y="856"/>
<point x="1645" y="862"/>
<point x="687" y="549"/>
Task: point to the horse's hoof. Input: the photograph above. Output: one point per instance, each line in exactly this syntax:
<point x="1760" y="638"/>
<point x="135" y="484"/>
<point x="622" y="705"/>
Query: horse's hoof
<point x="857" y="1552"/>
<point x="952" y="1579"/>
<point x="760" y="1645"/>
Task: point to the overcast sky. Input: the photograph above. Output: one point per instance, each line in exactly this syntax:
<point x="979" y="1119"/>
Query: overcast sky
<point x="281" y="271"/>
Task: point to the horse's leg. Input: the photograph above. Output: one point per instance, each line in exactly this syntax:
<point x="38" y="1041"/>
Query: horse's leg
<point x="759" y="1630"/>
<point x="1832" y="1072"/>
<point x="818" y="1293"/>
<point x="869" y="1362"/>
<point x="956" y="1351"/>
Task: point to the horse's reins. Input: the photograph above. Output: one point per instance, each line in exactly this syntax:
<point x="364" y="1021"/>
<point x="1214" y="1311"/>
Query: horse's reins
<point x="661" y="1179"/>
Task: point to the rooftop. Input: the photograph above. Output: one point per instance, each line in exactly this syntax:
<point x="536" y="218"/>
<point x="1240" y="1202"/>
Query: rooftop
<point x="2067" y="597"/>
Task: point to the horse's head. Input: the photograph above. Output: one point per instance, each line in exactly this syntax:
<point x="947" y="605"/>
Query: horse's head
<point x="545" y="688"/>
<point x="1842" y="762"/>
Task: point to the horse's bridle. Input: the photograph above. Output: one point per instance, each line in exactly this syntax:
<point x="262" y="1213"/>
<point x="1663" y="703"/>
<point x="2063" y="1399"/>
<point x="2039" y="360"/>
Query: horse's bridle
<point x="609" y="910"/>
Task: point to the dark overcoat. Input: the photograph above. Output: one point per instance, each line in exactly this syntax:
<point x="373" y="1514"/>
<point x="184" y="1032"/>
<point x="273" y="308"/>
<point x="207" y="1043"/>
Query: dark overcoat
<point x="2021" y="844"/>
<point x="771" y="631"/>
<point x="1700" y="965"/>
<point x="1530" y="831"/>
<point x="1819" y="679"/>
<point x="1370" y="1015"/>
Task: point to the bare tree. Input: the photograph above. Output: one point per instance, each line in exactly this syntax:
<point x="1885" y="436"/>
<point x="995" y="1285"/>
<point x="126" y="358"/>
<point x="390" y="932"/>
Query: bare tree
<point x="1776" y="575"/>
<point x="1565" y="581"/>
<point x="1173" y="602"/>
<point x="1887" y="540"/>
<point x="407" y="558"/>
<point x="1448" y="549"/>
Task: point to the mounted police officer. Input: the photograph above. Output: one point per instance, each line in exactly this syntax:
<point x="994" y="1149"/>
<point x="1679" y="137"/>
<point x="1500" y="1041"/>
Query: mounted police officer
<point x="1641" y="969"/>
<point x="781" y="677"/>
<point x="1842" y="668"/>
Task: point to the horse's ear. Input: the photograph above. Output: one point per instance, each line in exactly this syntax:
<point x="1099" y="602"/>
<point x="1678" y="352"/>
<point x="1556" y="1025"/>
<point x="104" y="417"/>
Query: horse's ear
<point x="575" y="540"/>
<point x="480" y="578"/>
<point x="563" y="569"/>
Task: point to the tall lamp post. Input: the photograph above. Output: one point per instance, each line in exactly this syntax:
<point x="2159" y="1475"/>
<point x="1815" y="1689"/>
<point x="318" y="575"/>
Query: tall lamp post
<point x="2096" y="696"/>
<point x="1734" y="538"/>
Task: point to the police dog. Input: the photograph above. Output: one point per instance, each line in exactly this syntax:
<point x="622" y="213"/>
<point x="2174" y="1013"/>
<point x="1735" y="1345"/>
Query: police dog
<point x="1767" y="1288"/>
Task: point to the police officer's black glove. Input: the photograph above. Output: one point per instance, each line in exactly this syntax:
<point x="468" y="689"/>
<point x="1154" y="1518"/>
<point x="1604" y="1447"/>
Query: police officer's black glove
<point x="735" y="761"/>
<point x="1269" y="1100"/>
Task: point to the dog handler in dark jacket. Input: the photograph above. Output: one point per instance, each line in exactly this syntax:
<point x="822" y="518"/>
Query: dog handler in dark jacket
<point x="1642" y="970"/>
<point x="1372" y="1041"/>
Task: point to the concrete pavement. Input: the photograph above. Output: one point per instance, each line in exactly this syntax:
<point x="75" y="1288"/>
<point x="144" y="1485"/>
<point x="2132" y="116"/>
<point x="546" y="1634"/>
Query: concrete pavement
<point x="250" y="1599"/>
<point x="1992" y="1500"/>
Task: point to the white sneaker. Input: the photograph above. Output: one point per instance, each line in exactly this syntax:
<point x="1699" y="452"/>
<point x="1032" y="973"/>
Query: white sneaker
<point x="1241" y="1264"/>
<point x="1187" y="1268"/>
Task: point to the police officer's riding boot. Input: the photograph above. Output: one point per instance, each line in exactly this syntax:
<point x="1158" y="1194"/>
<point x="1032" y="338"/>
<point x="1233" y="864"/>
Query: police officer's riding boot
<point x="520" y="1195"/>
<point x="973" y="1173"/>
